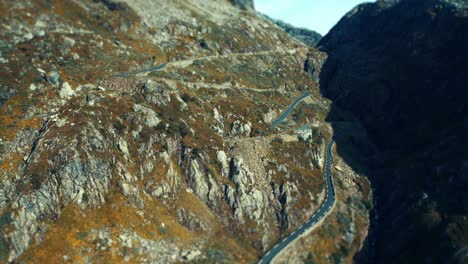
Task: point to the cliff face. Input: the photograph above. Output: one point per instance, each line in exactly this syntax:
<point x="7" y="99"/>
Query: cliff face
<point x="400" y="68"/>
<point x="141" y="131"/>
<point x="396" y="63"/>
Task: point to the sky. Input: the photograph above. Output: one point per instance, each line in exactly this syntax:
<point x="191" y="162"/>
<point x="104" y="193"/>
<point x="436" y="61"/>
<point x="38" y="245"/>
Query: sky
<point x="318" y="15"/>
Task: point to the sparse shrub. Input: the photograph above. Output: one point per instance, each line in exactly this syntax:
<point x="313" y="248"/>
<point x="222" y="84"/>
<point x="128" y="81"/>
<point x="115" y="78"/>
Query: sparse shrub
<point x="215" y="255"/>
<point x="162" y="230"/>
<point x="341" y="218"/>
<point x="309" y="259"/>
<point x="81" y="235"/>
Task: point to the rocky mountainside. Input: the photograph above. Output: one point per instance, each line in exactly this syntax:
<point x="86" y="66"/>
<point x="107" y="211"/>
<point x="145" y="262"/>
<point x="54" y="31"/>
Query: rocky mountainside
<point x="400" y="67"/>
<point x="141" y="131"/>
<point x="305" y="35"/>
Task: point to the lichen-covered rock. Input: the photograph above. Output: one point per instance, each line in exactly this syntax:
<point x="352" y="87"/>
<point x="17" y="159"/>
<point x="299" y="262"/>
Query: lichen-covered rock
<point x="248" y="200"/>
<point x="223" y="162"/>
<point x="149" y="116"/>
<point x="190" y="220"/>
<point x="157" y="93"/>
<point x="238" y="128"/>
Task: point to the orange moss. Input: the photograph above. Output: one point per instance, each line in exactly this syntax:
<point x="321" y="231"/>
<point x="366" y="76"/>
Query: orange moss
<point x="63" y="236"/>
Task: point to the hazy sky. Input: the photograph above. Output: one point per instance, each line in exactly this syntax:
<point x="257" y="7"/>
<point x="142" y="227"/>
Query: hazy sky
<point x="318" y="15"/>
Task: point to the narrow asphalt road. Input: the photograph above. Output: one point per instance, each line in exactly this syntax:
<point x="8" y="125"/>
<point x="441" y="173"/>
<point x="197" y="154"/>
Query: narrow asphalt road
<point x="285" y="114"/>
<point x="324" y="208"/>
<point x="126" y="74"/>
<point x="314" y="219"/>
<point x="189" y="61"/>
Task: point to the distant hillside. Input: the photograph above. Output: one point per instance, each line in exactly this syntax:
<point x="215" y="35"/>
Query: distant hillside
<point x="305" y="35"/>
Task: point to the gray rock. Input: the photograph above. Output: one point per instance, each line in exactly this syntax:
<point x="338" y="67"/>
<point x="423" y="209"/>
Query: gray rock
<point x="191" y="255"/>
<point x="149" y="116"/>
<point x="68" y="42"/>
<point x="305" y="134"/>
<point x="74" y="179"/>
<point x="66" y="91"/>
<point x="52" y="77"/>
<point x="190" y="220"/>
<point x="122" y="145"/>
<point x="246" y="199"/>
<point x="153" y="251"/>
<point x="197" y="181"/>
<point x="157" y="93"/>
<point x="237" y="128"/>
<point x="222" y="160"/>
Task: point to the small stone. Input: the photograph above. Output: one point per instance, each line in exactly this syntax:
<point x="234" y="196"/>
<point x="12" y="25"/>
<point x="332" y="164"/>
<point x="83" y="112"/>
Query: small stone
<point x="150" y="117"/>
<point x="52" y="77"/>
<point x="338" y="168"/>
<point x="32" y="87"/>
<point x="66" y="91"/>
<point x="40" y="24"/>
<point x="28" y="36"/>
<point x="68" y="42"/>
<point x="191" y="255"/>
<point x="39" y="33"/>
<point x="60" y="122"/>
<point x="124" y="148"/>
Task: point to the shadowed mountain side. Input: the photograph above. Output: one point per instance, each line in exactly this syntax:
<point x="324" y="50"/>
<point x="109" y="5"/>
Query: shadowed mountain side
<point x="399" y="67"/>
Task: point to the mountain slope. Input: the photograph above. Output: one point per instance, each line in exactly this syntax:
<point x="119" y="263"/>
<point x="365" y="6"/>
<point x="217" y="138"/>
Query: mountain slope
<point x="400" y="68"/>
<point x="141" y="131"/>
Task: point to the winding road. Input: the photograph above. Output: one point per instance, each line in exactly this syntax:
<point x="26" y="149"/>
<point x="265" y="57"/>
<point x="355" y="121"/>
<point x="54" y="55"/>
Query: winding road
<point x="330" y="191"/>
<point x="126" y="74"/>
<point x="186" y="62"/>
<point x="324" y="209"/>
<point x="285" y="114"/>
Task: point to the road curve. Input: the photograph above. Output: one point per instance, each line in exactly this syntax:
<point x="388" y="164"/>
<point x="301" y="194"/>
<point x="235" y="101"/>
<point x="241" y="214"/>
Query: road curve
<point x="189" y="61"/>
<point x="314" y="219"/>
<point x="126" y="74"/>
<point x="285" y="114"/>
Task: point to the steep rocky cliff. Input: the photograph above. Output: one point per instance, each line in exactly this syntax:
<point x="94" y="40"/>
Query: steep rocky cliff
<point x="141" y="131"/>
<point x="400" y="68"/>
